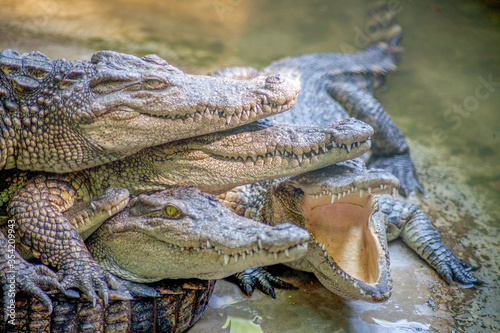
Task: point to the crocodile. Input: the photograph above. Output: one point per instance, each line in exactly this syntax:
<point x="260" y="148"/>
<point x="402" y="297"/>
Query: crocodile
<point x="63" y="116"/>
<point x="253" y="153"/>
<point x="175" y="306"/>
<point x="337" y="86"/>
<point x="177" y="233"/>
<point x="351" y="214"/>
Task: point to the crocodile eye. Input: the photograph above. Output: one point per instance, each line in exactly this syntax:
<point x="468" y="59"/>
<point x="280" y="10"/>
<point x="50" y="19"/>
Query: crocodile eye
<point x="173" y="212"/>
<point x="153" y="83"/>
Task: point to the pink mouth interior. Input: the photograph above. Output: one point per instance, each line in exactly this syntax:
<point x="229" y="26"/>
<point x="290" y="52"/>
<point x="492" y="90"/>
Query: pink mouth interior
<point x="343" y="227"/>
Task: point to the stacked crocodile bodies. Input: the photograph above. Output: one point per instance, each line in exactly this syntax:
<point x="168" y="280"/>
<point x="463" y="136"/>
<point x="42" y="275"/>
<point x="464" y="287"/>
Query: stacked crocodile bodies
<point x="148" y="102"/>
<point x="176" y="233"/>
<point x="348" y="252"/>
<point x="61" y="116"/>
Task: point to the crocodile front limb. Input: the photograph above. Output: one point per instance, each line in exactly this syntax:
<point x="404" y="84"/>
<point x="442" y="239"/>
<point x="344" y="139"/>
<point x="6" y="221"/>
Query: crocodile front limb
<point x="38" y="208"/>
<point x="16" y="274"/>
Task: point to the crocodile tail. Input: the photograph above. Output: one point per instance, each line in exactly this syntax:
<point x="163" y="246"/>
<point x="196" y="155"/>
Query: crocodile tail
<point x="381" y="24"/>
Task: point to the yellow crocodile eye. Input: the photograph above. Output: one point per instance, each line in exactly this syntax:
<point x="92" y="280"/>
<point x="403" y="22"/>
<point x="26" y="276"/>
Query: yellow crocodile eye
<point x="173" y="212"/>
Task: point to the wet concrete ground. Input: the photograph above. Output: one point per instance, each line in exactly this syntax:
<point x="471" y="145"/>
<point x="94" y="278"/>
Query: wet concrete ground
<point x="449" y="49"/>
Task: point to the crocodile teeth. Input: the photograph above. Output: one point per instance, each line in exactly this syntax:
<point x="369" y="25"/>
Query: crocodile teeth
<point x="333" y="198"/>
<point x="110" y="212"/>
<point x="264" y="100"/>
<point x="243" y="255"/>
<point x="323" y="247"/>
<point x="275" y="255"/>
<point x="235" y="257"/>
<point x="360" y="192"/>
<point x="260" y="244"/>
<point x="229" y="118"/>
<point x="287" y="253"/>
<point x="299" y="157"/>
<point x="369" y="190"/>
<point x="226" y="259"/>
<point x="208" y="245"/>
<point x="93" y="206"/>
<point x="395" y="193"/>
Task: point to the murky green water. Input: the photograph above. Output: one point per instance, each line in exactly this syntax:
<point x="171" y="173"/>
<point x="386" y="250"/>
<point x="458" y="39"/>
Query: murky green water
<point x="445" y="96"/>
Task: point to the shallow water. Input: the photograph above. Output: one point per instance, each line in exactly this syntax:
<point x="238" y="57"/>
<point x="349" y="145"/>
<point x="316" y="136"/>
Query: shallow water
<point x="440" y="97"/>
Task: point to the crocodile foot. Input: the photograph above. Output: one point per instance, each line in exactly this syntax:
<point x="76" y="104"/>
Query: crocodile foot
<point x="31" y="279"/>
<point x="87" y="276"/>
<point x="252" y="278"/>
<point x="451" y="268"/>
<point x="402" y="167"/>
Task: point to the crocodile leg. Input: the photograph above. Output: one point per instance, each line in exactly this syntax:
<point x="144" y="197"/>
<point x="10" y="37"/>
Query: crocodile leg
<point x="389" y="147"/>
<point x="26" y="277"/>
<point x="416" y="230"/>
<point x="38" y="209"/>
<point x="252" y="278"/>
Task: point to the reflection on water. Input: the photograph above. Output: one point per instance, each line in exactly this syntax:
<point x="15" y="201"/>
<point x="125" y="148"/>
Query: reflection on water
<point x="444" y="96"/>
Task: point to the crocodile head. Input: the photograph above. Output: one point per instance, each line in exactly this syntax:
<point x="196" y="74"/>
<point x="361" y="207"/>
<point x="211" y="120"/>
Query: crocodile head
<point x="338" y="205"/>
<point x="260" y="151"/>
<point x="147" y="99"/>
<point x="74" y="115"/>
<point x="184" y="233"/>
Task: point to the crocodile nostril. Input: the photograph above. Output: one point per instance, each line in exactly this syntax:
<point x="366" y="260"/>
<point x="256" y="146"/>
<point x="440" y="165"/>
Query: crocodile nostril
<point x="274" y="79"/>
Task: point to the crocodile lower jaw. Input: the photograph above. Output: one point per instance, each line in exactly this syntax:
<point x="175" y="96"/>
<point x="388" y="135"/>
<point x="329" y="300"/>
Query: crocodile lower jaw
<point x="178" y="262"/>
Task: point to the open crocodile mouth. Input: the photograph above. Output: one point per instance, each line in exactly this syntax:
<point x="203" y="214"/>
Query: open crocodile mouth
<point x="343" y="228"/>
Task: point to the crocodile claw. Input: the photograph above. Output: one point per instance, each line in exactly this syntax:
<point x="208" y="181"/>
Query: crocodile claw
<point x="30" y="279"/>
<point x="89" y="278"/>
<point x="261" y="279"/>
<point x="402" y="167"/>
